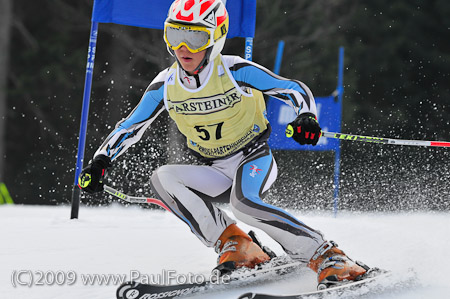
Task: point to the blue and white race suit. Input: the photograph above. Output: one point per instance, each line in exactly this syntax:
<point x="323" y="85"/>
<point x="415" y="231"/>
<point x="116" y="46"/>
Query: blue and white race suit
<point x="222" y="114"/>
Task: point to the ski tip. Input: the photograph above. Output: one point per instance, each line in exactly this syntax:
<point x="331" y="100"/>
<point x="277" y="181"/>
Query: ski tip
<point x="264" y="296"/>
<point x="123" y="289"/>
<point x="247" y="296"/>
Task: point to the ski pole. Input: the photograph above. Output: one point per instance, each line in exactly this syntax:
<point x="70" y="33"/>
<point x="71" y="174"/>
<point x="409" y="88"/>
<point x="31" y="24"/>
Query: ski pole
<point x="134" y="199"/>
<point x="370" y="139"/>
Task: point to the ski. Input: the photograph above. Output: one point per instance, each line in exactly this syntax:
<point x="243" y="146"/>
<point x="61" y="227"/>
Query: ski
<point x="348" y="289"/>
<point x="135" y="290"/>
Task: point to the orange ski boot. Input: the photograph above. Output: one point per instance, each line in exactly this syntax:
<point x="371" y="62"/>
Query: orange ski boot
<point x="334" y="267"/>
<point x="236" y="249"/>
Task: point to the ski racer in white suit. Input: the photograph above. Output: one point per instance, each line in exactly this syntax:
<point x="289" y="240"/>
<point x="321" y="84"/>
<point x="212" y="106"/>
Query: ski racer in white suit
<point x="217" y="103"/>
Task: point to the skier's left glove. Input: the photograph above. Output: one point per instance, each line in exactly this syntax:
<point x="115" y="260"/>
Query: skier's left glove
<point x="91" y="177"/>
<point x="305" y="129"/>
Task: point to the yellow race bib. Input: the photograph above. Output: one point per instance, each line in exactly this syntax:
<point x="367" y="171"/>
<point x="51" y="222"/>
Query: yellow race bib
<point x="219" y="118"/>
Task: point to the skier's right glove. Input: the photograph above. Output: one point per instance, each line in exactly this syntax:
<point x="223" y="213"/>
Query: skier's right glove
<point x="91" y="177"/>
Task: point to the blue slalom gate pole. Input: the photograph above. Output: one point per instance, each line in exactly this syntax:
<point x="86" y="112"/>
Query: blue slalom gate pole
<point x="84" y="118"/>
<point x="337" y="152"/>
<point x="279" y="57"/>
<point x="249" y="48"/>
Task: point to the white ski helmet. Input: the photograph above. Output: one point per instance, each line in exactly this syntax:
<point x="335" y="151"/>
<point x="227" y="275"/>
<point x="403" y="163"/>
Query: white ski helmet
<point x="198" y="25"/>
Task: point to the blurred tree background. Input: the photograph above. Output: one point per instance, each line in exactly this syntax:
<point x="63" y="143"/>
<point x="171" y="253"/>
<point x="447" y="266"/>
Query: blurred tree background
<point x="396" y="80"/>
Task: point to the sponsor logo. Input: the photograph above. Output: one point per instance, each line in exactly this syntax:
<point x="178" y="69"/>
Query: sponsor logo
<point x="210" y="19"/>
<point x="168" y="294"/>
<point x="255" y="170"/>
<point x="227" y="149"/>
<point x="256" y="128"/>
<point x="171" y="79"/>
<point x="206" y="105"/>
<point x="187" y="79"/>
<point x="223" y="30"/>
<point x="133" y="294"/>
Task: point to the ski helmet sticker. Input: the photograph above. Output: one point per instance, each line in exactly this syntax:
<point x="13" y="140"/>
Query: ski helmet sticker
<point x="210" y="19"/>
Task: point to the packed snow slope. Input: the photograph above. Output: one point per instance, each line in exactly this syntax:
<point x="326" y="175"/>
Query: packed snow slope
<point x="61" y="255"/>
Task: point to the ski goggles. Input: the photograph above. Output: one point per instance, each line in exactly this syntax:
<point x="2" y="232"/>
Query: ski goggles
<point x="195" y="38"/>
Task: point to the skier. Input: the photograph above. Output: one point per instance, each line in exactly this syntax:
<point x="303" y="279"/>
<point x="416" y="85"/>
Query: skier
<point x="217" y="103"/>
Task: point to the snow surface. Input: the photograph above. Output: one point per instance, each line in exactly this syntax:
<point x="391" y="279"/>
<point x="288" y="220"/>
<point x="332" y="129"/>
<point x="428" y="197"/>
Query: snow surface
<point x="129" y="241"/>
